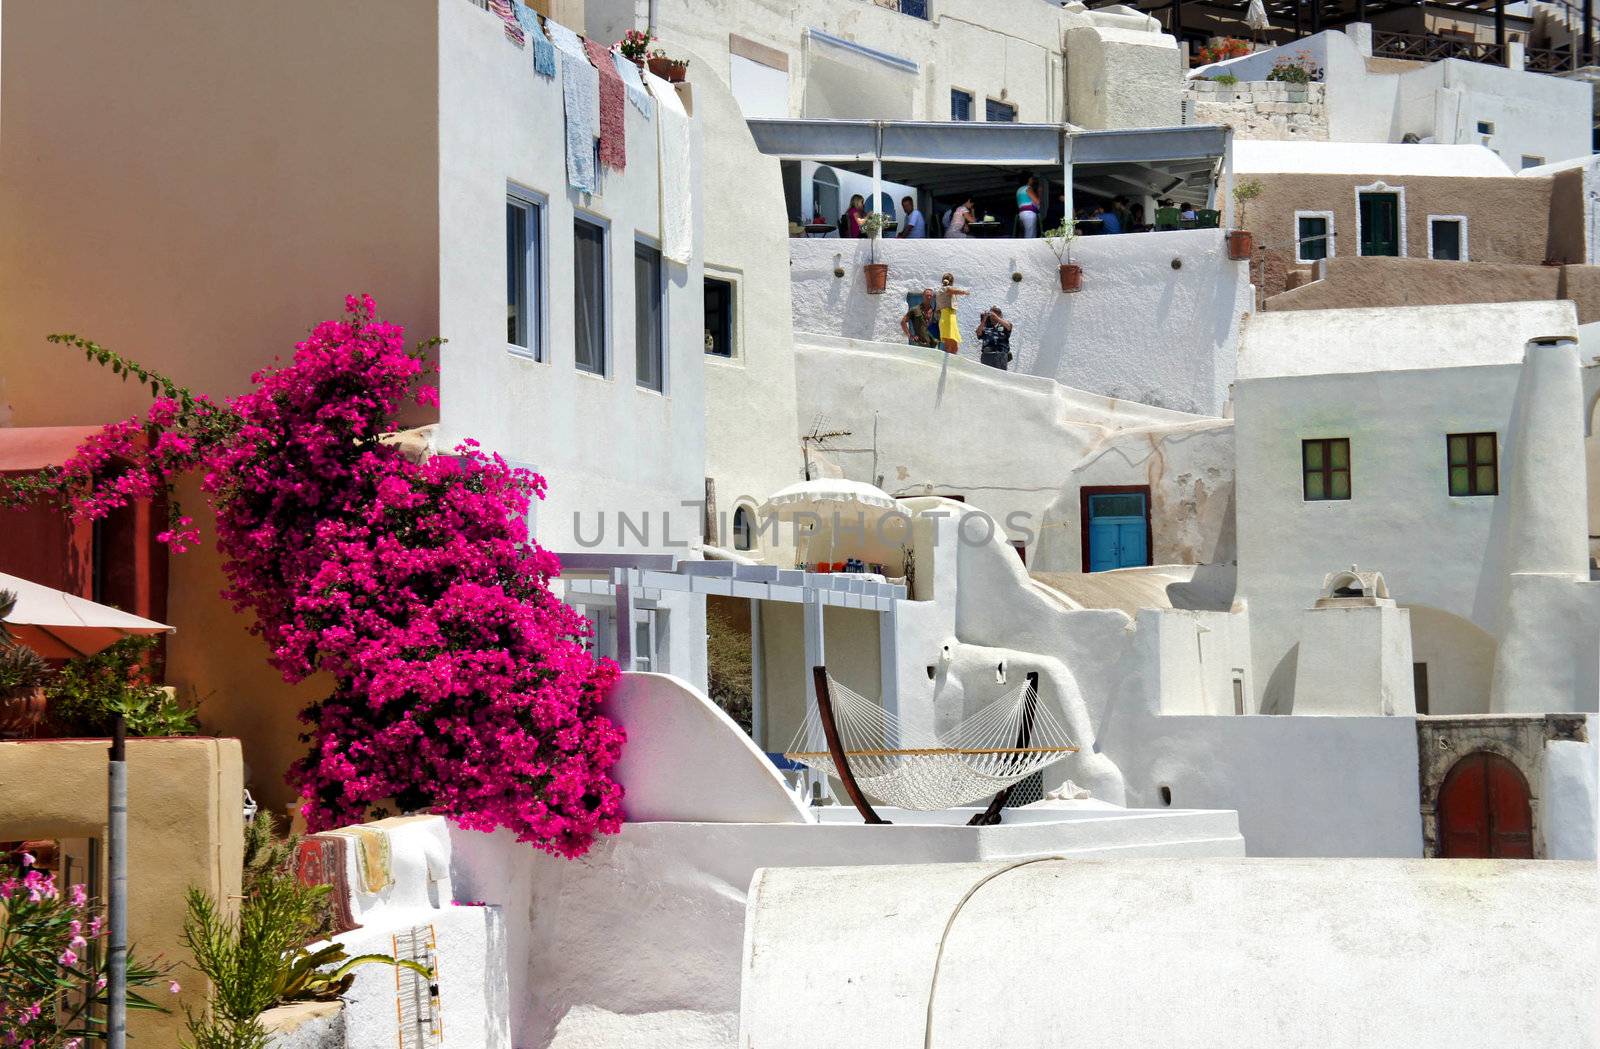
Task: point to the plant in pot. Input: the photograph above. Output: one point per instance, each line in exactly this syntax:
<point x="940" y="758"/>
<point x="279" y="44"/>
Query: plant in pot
<point x="672" y="70"/>
<point x="635" y="46"/>
<point x="23" y="675"/>
<point x="877" y="272"/>
<point x="1060" y="240"/>
<point x="1241" y="245"/>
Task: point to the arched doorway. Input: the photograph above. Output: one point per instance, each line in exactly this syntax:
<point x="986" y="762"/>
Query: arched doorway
<point x="1484" y="810"/>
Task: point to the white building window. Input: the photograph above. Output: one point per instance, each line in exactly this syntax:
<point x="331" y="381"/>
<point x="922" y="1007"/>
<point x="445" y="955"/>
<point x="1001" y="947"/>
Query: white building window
<point x="1531" y="161"/>
<point x="525" y="275"/>
<point x="1313" y="235"/>
<point x="649" y="314"/>
<point x="1485" y="127"/>
<point x="589" y="296"/>
<point x="720" y="308"/>
<point x="650" y="640"/>
<point x="1447" y="237"/>
<point x="743" y="529"/>
<point x="1381" y="220"/>
<point x="960" y="104"/>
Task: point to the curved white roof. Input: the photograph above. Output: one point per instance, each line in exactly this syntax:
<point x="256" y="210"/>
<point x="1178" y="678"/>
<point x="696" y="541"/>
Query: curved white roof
<point x="1254" y="157"/>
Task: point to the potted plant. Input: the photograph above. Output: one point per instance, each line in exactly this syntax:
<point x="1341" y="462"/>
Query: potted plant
<point x="22" y="678"/>
<point x="877" y="272"/>
<point x="635" y="46"/>
<point x="1060" y="240"/>
<point x="672" y="70"/>
<point x="1241" y="245"/>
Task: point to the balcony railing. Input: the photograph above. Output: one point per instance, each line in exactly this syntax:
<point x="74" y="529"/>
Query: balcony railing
<point x="1420" y="47"/>
<point x="1547" y="60"/>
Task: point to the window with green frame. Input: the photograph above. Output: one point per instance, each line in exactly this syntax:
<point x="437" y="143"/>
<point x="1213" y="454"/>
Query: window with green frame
<point x="1325" y="466"/>
<point x="1474" y="464"/>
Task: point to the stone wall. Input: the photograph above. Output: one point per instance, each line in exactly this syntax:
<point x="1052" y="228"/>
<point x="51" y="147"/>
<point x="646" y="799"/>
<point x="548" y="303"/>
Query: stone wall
<point x="1520" y="739"/>
<point x="1262" y="108"/>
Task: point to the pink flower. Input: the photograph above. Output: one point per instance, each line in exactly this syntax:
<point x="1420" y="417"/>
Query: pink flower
<point x="68" y="958"/>
<point x="173" y="988"/>
<point x="80" y="897"/>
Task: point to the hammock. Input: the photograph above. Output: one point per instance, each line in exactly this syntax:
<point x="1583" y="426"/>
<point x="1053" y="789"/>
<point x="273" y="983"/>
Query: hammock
<point x="1002" y="744"/>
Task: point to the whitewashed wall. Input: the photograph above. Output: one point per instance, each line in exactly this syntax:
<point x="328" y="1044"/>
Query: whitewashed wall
<point x="1140" y="330"/>
<point x="605" y="444"/>
<point x="1018" y="57"/>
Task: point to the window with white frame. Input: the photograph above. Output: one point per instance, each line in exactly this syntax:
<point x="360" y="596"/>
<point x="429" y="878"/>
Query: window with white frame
<point x="1313" y="235"/>
<point x="589" y="296"/>
<point x="649" y="318"/>
<point x="524" y="275"/>
<point x="960" y="104"/>
<point x="1531" y="161"/>
<point x="1447" y="237"/>
<point x="650" y="640"/>
<point x="719" y="316"/>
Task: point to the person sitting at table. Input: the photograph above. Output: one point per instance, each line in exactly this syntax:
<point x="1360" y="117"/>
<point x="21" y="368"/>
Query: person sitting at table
<point x="994" y="333"/>
<point x="1028" y="202"/>
<point x="949" y="331"/>
<point x="1189" y="214"/>
<point x="960" y="219"/>
<point x="920" y="322"/>
<point x="850" y="222"/>
<point x="915" y="227"/>
<point x="1109" y="222"/>
<point x="1136" y="218"/>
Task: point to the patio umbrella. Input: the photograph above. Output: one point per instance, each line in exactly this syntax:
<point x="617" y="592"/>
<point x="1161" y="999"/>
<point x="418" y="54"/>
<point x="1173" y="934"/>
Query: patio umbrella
<point x="1256" y="17"/>
<point x="857" y="507"/>
<point x="58" y="625"/>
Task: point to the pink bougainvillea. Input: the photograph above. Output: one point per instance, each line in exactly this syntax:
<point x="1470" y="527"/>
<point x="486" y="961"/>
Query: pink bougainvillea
<point x="461" y="682"/>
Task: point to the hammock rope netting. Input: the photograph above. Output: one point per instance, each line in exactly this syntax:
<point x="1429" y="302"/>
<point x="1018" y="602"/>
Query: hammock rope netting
<point x="917" y="769"/>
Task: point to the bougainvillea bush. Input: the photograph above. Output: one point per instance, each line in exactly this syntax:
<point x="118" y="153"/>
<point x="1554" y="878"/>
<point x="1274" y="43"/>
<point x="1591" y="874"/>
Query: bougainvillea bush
<point x="461" y="681"/>
<point x="52" y="963"/>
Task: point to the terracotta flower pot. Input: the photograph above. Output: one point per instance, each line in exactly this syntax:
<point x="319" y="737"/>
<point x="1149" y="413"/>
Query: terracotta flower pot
<point x="877" y="277"/>
<point x="1071" y="277"/>
<point x="672" y="70"/>
<point x="21" y="713"/>
<point x="1241" y="244"/>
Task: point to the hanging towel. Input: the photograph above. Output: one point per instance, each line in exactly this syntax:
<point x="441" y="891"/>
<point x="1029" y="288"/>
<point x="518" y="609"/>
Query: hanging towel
<point x="580" y="96"/>
<point x="508" y="15"/>
<point x="613" y="121"/>
<point x="634" y="85"/>
<point x="672" y="165"/>
<point x="544" y="52"/>
<point x="564" y="39"/>
<point x="372" y="856"/>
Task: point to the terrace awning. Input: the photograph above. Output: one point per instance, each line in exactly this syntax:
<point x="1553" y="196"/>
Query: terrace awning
<point x="949" y="158"/>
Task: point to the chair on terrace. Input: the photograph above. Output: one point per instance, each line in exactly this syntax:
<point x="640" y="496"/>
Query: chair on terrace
<point x="1207" y="218"/>
<point x="1168" y="218"/>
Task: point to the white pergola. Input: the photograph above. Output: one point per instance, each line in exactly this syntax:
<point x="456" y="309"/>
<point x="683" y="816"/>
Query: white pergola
<point x="638" y="580"/>
<point x="1190" y="162"/>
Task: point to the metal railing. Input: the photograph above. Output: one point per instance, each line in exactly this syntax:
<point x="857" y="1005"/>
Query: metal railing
<point x="1420" y="47"/>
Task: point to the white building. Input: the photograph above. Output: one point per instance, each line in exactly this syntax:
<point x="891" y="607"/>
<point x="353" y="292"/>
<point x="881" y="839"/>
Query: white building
<point x="1527" y="118"/>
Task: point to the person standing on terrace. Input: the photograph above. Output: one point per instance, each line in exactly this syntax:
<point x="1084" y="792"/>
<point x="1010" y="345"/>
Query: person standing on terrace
<point x="994" y="332"/>
<point x="850" y="222"/>
<point x="915" y="226"/>
<point x="949" y="330"/>
<point x="1028" y="202"/>
<point x="921" y="322"/>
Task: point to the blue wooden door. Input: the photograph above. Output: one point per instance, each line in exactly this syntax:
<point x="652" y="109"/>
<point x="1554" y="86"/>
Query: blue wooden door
<point x="1118" y="528"/>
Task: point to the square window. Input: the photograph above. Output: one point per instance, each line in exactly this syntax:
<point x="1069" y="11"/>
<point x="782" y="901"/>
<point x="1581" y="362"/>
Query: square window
<point x="960" y="104"/>
<point x="524" y="276"/>
<point x="649" y="306"/>
<point x="589" y="296"/>
<point x="719" y="317"/>
<point x="1531" y="161"/>
<point x="1485" y="127"/>
<point x="1474" y="463"/>
<point x="1312" y="238"/>
<point x="1325" y="468"/>
<point x="1445" y="239"/>
<point x="996" y="111"/>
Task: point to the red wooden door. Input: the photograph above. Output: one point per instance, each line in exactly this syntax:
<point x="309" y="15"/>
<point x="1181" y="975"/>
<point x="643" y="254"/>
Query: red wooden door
<point x="1484" y="810"/>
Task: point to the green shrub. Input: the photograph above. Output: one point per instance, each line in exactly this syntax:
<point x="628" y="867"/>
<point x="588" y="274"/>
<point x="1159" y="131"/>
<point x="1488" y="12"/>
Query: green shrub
<point x="87" y="693"/>
<point x="1225" y="79"/>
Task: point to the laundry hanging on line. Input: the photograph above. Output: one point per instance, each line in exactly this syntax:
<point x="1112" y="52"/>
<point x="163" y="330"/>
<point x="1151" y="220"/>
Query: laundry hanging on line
<point x="633" y="83"/>
<point x="613" y="121"/>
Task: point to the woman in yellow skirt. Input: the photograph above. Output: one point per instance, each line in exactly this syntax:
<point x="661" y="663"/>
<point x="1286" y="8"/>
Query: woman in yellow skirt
<point x="949" y="331"/>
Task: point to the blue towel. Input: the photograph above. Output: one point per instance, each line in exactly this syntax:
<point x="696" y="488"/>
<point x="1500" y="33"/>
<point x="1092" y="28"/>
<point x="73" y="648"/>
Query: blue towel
<point x="634" y="84"/>
<point x="580" y="95"/>
<point x="544" y="52"/>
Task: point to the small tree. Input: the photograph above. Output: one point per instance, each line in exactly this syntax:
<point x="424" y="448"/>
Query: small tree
<point x="1061" y="240"/>
<point x="872" y="228"/>
<point x="1243" y="193"/>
